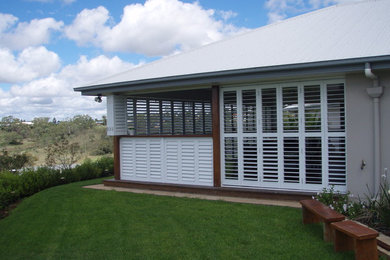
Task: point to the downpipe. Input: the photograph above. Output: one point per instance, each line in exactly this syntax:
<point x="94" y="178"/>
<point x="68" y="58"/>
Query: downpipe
<point x="375" y="92"/>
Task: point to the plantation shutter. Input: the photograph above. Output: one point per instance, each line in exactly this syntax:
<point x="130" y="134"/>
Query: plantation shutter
<point x="116" y="115"/>
<point x="284" y="136"/>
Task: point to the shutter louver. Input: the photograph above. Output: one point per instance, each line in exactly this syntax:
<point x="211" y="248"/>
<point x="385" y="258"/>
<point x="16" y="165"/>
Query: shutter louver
<point x="172" y="160"/>
<point x="187" y="161"/>
<point x="141" y="159"/>
<point x="313" y="154"/>
<point x="250" y="158"/>
<point x="336" y="112"/>
<point x="178" y="117"/>
<point x="268" y="99"/>
<point x="230" y="111"/>
<point x="249" y="111"/>
<point x="142" y="117"/>
<point x="205" y="161"/>
<point x="154" y="117"/>
<point x="270" y="159"/>
<point x="166" y="117"/>
<point x="189" y="117"/>
<point x="155" y="158"/>
<point x="199" y="118"/>
<point x="291" y="159"/>
<point x="208" y="118"/>
<point x="312" y="97"/>
<point x="231" y="158"/>
<point x="290" y="110"/>
<point x="336" y="161"/>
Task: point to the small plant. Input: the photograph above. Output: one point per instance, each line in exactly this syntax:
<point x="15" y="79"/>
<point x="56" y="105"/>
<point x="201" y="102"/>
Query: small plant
<point x="341" y="202"/>
<point x="373" y="211"/>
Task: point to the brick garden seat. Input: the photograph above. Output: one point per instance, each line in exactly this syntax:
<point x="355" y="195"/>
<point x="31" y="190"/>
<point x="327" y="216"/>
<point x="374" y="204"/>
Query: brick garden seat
<point x="349" y="235"/>
<point x="314" y="211"/>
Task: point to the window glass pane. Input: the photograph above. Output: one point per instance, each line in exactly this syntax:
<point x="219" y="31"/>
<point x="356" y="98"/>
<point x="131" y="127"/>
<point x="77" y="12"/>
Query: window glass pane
<point x="336" y="112"/>
<point x="230" y="111"/>
<point x="231" y="158"/>
<point x="249" y="111"/>
<point x="290" y="109"/>
<point x="312" y="98"/>
<point x="268" y="100"/>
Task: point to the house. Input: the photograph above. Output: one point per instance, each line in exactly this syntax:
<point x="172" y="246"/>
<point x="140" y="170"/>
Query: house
<point x="289" y="108"/>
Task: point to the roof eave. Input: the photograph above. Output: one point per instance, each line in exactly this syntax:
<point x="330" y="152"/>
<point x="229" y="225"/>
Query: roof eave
<point x="240" y="75"/>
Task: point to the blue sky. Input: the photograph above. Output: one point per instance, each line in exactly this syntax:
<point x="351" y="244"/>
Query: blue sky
<point x="48" y="47"/>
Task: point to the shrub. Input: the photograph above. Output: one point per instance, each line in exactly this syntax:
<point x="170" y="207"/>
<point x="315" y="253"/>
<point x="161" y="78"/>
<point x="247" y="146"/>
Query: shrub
<point x="14" y="186"/>
<point x="373" y="211"/>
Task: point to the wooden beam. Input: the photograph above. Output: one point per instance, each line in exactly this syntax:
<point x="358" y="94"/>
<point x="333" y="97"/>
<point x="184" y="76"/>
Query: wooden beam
<point x="216" y="136"/>
<point x="117" y="170"/>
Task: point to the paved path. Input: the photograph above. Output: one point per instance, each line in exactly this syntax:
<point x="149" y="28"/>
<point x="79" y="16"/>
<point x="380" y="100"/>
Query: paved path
<point x="285" y="203"/>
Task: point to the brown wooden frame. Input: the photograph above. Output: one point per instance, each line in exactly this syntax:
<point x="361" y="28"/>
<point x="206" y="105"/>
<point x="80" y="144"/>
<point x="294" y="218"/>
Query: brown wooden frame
<point x="117" y="169"/>
<point x="216" y="135"/>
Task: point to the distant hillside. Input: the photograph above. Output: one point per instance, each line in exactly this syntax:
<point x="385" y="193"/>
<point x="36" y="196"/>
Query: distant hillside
<point x="39" y="137"/>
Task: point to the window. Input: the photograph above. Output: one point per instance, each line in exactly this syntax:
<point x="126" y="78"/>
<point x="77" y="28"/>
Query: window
<point x="284" y="136"/>
<point x="147" y="116"/>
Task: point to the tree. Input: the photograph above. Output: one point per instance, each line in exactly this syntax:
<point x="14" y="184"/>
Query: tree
<point x="16" y="161"/>
<point x="62" y="153"/>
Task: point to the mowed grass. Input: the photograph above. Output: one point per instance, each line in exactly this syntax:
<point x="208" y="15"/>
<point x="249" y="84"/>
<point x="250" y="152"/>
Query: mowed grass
<point x="70" y="222"/>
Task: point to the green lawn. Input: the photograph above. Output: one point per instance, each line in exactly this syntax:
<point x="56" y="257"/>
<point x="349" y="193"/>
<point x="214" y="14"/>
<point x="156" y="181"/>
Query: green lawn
<point x="69" y="222"/>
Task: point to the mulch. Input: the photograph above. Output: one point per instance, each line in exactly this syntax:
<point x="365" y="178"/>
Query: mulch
<point x="5" y="212"/>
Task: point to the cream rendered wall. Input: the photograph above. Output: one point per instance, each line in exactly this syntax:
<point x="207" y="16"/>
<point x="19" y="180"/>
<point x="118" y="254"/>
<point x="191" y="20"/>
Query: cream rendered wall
<point x="360" y="132"/>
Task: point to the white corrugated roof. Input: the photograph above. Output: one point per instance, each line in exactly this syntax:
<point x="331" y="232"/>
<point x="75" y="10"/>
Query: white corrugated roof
<point x="338" y="32"/>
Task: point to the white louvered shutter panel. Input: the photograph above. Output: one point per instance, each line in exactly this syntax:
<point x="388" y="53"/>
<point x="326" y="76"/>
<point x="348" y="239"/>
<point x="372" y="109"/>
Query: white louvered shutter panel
<point x="231" y="158"/>
<point x="156" y="158"/>
<point x="176" y="160"/>
<point x="188" y="164"/>
<point x="172" y="153"/>
<point x="250" y="158"/>
<point x="127" y="154"/>
<point x="270" y="159"/>
<point x="116" y="115"/>
<point x="205" y="162"/>
<point x="291" y="159"/>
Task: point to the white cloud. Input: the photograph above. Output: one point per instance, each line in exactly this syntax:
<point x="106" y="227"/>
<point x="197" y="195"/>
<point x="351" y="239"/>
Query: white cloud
<point x="17" y="36"/>
<point x="53" y="96"/>
<point x="31" y="63"/>
<point x="281" y="9"/>
<point x="158" y="27"/>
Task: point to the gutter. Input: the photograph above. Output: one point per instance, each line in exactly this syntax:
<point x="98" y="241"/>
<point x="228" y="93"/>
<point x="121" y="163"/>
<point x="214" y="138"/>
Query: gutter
<point x="375" y="92"/>
<point x="237" y="75"/>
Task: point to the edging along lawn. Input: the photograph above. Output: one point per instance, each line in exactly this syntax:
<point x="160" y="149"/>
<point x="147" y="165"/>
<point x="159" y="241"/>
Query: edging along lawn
<point x="69" y="222"/>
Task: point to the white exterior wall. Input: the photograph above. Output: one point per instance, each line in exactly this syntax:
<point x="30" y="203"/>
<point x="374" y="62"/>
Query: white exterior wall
<point x="175" y="160"/>
<point x="360" y="138"/>
<point x="116" y="115"/>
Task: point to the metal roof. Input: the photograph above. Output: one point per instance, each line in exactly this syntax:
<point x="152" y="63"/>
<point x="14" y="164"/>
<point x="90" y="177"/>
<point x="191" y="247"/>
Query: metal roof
<point x="347" y="32"/>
